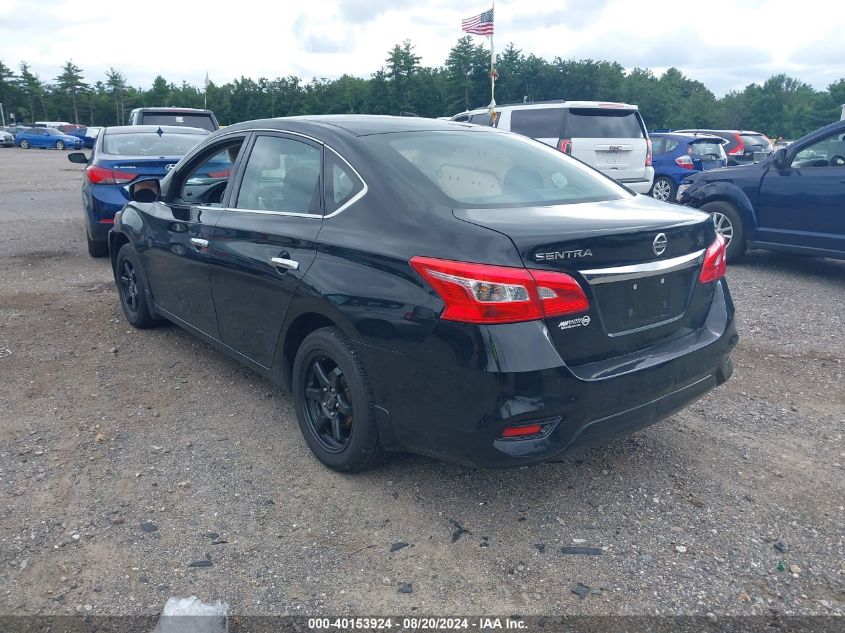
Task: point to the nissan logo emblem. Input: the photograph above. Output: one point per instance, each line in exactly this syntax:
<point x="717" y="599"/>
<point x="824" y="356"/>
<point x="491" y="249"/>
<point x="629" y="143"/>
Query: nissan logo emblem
<point x="170" y="166"/>
<point x="659" y="244"/>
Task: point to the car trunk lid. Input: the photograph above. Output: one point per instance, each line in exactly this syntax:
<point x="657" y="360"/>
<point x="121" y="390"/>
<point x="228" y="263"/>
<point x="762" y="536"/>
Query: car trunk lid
<point x="638" y="261"/>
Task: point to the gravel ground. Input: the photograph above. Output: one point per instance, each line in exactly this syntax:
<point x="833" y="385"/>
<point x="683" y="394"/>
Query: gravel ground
<point x="127" y="456"/>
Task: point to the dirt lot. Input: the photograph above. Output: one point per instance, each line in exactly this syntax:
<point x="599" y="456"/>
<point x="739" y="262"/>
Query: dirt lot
<point x="126" y="456"/>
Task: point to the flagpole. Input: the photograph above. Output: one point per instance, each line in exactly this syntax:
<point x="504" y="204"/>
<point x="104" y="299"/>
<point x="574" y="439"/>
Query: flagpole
<point x="493" y="66"/>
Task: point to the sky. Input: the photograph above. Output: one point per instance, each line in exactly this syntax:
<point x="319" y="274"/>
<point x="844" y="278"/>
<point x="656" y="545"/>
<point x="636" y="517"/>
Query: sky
<point x="725" y="44"/>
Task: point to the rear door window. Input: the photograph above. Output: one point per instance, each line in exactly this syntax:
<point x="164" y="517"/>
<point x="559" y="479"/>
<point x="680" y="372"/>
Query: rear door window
<point x="603" y="123"/>
<point x="282" y="174"/>
<point x="538" y="122"/>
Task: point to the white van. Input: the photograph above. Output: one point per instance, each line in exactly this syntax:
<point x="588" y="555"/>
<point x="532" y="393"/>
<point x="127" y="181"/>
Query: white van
<point x="609" y="136"/>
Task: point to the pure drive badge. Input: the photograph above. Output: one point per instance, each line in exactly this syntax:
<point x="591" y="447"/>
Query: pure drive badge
<point x="571" y="323"/>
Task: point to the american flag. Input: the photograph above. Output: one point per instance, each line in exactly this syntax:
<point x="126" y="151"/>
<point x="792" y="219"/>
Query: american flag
<point x="481" y="24"/>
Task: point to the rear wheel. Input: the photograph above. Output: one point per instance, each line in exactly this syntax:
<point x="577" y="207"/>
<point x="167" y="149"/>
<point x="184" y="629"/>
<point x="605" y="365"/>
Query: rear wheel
<point x="334" y="403"/>
<point x="130" y="287"/>
<point x="24" y="144"/>
<point x="60" y="144"/>
<point x="729" y="225"/>
<point x="663" y="189"/>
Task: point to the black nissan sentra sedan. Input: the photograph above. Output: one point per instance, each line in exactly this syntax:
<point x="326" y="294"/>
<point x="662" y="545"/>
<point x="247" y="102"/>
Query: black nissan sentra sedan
<point x="429" y="286"/>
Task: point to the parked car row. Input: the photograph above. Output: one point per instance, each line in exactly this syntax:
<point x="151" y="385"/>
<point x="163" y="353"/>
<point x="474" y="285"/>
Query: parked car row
<point x="347" y="257"/>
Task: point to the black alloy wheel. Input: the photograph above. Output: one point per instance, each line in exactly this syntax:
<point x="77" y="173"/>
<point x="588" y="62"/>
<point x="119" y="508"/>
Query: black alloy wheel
<point x="334" y="402"/>
<point x="329" y="408"/>
<point x="130" y="287"/>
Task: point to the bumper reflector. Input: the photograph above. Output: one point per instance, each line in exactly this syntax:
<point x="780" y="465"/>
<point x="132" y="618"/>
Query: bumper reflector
<point x="522" y="431"/>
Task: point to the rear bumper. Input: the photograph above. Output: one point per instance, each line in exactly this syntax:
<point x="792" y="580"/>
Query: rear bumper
<point x="101" y="203"/>
<point x="640" y="185"/>
<point x="432" y="405"/>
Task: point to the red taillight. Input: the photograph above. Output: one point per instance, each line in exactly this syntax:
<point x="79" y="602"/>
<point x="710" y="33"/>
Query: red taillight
<point x="481" y="293"/>
<point x="648" y="153"/>
<point x="739" y="150"/>
<point x="522" y="431"/>
<point x="223" y="173"/>
<point x="715" y="262"/>
<point x="685" y="162"/>
<point x="565" y="146"/>
<point x="101" y="176"/>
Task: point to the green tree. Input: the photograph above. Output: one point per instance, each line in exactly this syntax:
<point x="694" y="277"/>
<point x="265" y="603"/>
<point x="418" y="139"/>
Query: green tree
<point x="466" y="74"/>
<point x="33" y="92"/>
<point x="70" y="82"/>
<point x="403" y="66"/>
<point x="116" y="83"/>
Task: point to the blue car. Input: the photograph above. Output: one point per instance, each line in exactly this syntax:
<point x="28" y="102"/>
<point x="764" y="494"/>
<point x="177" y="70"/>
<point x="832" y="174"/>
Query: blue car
<point x="87" y="134"/>
<point x="122" y="155"/>
<point x="676" y="155"/>
<point x="46" y="137"/>
<point x="793" y="201"/>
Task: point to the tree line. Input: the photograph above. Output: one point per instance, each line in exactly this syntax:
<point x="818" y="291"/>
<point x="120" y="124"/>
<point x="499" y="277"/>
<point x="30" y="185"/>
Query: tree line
<point x="780" y="106"/>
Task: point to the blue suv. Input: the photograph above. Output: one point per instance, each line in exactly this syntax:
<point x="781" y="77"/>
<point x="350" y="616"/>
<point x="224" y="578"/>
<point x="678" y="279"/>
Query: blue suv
<point x="793" y="201"/>
<point x="677" y="155"/>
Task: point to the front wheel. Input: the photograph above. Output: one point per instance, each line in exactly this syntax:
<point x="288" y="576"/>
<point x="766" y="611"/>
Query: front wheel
<point x="60" y="144"/>
<point x="334" y="402"/>
<point x="24" y="144"/>
<point x="131" y="288"/>
<point x="729" y="225"/>
<point x="663" y="189"/>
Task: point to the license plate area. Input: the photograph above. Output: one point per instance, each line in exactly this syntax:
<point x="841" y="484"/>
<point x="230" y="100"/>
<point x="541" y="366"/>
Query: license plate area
<point x="639" y="303"/>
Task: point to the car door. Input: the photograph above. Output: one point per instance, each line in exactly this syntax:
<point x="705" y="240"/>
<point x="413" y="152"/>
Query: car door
<point x="803" y="204"/>
<point x="265" y="241"/>
<point x="39" y="138"/>
<point x="180" y="231"/>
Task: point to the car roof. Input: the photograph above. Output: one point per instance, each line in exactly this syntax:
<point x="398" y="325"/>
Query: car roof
<point x="171" y="129"/>
<point x="172" y="109"/>
<point x="712" y="131"/>
<point x="354" y="124"/>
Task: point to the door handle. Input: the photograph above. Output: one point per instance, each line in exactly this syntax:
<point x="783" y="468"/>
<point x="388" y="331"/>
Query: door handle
<point x="198" y="242"/>
<point x="286" y="264"/>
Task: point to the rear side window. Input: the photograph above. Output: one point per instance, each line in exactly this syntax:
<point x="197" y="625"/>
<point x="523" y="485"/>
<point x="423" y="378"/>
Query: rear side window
<point x="342" y="185"/>
<point x="603" y="123"/>
<point x="480" y="119"/>
<point x="188" y="120"/>
<point x="538" y="122"/>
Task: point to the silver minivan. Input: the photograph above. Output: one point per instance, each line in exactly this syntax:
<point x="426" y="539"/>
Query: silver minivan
<point x="609" y="136"/>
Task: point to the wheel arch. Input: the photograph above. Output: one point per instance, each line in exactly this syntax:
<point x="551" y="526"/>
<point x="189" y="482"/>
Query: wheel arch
<point x="730" y="193"/>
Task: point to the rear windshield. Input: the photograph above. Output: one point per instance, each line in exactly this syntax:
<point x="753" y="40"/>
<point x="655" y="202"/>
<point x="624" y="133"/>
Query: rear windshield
<point x="708" y="150"/>
<point x="202" y="121"/>
<point x="150" y="144"/>
<point x="603" y="123"/>
<point x="757" y="141"/>
<point x="492" y="169"/>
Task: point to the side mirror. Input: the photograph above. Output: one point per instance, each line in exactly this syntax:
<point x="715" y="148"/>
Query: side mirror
<point x="77" y="157"/>
<point x="145" y="190"/>
<point x="780" y="157"/>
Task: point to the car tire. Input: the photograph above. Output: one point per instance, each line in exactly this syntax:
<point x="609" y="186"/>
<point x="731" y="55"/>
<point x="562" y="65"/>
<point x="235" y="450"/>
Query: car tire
<point x="132" y="291"/>
<point x="728" y="222"/>
<point x="97" y="248"/>
<point x="60" y="144"/>
<point x="334" y="403"/>
<point x="24" y="144"/>
<point x="663" y="189"/>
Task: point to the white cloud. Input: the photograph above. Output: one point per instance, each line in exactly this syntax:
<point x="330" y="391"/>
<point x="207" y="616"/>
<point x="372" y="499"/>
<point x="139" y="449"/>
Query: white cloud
<point x="724" y="44"/>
